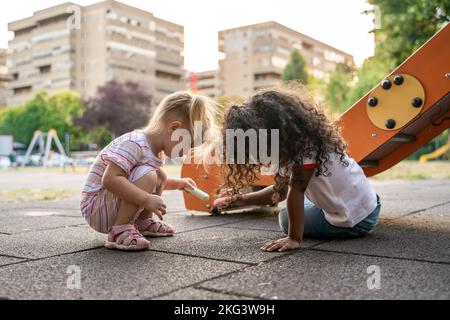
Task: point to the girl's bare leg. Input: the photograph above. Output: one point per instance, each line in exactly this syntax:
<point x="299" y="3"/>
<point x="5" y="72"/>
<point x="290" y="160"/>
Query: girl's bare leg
<point x="161" y="180"/>
<point x="128" y="211"/>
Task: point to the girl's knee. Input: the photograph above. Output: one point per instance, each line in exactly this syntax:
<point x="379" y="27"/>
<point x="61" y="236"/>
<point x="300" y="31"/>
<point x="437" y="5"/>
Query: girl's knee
<point x="147" y="182"/>
<point x="161" y="176"/>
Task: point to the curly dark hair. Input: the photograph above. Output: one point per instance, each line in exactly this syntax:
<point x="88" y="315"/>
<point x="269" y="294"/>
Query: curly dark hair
<point x="304" y="132"/>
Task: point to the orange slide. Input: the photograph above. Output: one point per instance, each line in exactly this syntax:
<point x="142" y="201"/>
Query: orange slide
<point x="406" y="110"/>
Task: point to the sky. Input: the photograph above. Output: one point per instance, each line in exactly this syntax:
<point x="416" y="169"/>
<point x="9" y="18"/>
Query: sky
<point x="337" y="23"/>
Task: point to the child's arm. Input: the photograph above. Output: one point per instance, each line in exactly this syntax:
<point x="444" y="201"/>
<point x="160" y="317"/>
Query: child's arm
<point x="114" y="179"/>
<point x="179" y="184"/>
<point x="262" y="197"/>
<point x="295" y="202"/>
<point x="295" y="205"/>
<point x="165" y="183"/>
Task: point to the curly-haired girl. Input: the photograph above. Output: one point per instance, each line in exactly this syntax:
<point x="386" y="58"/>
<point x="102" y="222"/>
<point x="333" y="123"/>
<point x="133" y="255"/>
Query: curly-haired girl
<point x="328" y="195"/>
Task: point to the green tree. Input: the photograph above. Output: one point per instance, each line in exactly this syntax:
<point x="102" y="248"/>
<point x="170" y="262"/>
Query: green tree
<point x="10" y="121"/>
<point x="372" y="71"/>
<point x="43" y="113"/>
<point x="338" y="87"/>
<point x="66" y="107"/>
<point x="296" y="69"/>
<point x="406" y="25"/>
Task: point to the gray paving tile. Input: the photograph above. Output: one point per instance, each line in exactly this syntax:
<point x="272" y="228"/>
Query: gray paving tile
<point x="46" y="243"/>
<point x="33" y="221"/>
<point x="438" y="211"/>
<point x="199" y="294"/>
<point x="310" y="274"/>
<point x="269" y="223"/>
<point x="7" y="260"/>
<point x="412" y="237"/>
<point x="393" y="209"/>
<point x="413" y="190"/>
<point x="108" y="274"/>
<point x="241" y="245"/>
<point x="183" y="221"/>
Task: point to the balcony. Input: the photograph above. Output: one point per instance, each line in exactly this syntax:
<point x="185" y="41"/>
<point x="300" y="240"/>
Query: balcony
<point x="264" y="83"/>
<point x="22" y="82"/>
<point x="169" y="66"/>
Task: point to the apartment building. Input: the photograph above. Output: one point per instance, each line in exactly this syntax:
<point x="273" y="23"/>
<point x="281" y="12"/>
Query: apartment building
<point x="255" y="56"/>
<point x="81" y="47"/>
<point x="207" y="83"/>
<point x="4" y="79"/>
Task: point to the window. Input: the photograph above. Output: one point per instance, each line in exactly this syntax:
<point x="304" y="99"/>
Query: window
<point x="279" y="62"/>
<point x="267" y="76"/>
<point x="45" y="69"/>
<point x="16" y="76"/>
<point x="307" y="46"/>
<point x="167" y="75"/>
<point x="21" y="90"/>
<point x="316" y="61"/>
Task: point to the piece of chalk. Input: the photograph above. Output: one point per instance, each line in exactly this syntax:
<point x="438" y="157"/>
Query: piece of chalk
<point x="198" y="193"/>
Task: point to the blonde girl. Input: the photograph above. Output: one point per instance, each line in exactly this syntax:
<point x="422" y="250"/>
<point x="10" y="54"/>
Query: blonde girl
<point x="124" y="185"/>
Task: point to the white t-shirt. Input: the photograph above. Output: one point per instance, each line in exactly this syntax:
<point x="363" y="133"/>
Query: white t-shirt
<point x="345" y="196"/>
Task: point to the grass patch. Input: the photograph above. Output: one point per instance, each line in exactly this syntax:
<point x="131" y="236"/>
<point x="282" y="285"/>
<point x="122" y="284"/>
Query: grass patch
<point x="413" y="170"/>
<point x="171" y="169"/>
<point x="29" y="195"/>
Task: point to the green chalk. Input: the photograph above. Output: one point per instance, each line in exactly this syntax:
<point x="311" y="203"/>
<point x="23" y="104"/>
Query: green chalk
<point x="198" y="193"/>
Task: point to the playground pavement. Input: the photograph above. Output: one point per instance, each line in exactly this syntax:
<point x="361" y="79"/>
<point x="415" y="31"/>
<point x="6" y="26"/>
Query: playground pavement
<point x="46" y="245"/>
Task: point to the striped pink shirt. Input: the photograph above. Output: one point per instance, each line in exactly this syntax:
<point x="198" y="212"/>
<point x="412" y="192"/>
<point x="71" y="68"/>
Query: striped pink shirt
<point x="127" y="151"/>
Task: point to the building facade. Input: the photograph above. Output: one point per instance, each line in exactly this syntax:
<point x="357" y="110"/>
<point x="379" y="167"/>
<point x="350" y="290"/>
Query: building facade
<point x="5" y="78"/>
<point x="256" y="55"/>
<point x="81" y="47"/>
<point x="207" y="83"/>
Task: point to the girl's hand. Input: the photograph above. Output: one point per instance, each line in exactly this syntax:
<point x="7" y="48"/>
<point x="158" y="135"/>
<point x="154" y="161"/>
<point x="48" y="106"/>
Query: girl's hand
<point x="185" y="183"/>
<point x="281" y="245"/>
<point x="155" y="204"/>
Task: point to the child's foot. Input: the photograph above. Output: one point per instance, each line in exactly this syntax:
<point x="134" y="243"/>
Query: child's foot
<point x="126" y="237"/>
<point x="154" y="228"/>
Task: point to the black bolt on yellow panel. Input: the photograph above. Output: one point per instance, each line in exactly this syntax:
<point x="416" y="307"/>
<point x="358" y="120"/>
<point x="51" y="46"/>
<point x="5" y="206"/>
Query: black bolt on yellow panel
<point x="395" y="102"/>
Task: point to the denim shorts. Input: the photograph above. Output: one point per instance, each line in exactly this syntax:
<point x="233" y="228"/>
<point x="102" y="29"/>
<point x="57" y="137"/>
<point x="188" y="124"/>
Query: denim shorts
<point x="316" y="226"/>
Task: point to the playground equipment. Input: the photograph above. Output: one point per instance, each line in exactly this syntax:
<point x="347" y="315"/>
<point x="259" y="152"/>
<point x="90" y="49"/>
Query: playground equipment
<point x="6" y="145"/>
<point x="38" y="138"/>
<point x="406" y="110"/>
<point x="435" y="154"/>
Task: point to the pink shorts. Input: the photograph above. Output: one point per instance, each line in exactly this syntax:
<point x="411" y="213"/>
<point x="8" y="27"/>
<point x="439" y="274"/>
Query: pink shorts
<point x="100" y="208"/>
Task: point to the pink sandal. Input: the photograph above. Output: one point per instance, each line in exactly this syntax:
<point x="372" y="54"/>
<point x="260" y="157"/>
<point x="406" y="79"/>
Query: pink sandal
<point x="126" y="237"/>
<point x="154" y="228"/>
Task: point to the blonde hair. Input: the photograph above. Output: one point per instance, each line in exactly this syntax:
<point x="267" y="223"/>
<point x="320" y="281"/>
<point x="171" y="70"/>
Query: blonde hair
<point x="189" y="107"/>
